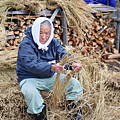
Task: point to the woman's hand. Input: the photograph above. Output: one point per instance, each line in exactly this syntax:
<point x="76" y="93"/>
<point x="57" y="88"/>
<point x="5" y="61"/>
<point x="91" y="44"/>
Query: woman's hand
<point x="57" y="68"/>
<point x="76" y="67"/>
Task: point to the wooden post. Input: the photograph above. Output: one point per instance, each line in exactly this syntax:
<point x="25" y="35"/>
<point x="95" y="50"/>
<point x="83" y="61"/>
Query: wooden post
<point x="118" y="31"/>
<point x="64" y="25"/>
<point x="54" y="14"/>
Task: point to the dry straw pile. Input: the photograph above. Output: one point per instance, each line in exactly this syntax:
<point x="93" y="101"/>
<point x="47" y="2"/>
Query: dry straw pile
<point x="100" y="99"/>
<point x="101" y="87"/>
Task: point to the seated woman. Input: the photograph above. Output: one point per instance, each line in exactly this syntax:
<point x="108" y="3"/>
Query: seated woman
<point x="36" y="52"/>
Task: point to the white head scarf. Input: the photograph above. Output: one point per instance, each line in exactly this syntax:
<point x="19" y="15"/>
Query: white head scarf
<point x="36" y="33"/>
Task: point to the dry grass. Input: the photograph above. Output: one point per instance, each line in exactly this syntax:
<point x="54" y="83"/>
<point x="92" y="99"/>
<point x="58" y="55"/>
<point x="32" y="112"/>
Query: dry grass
<point x="8" y="58"/>
<point x="101" y="97"/>
<point x="100" y="100"/>
<point x="58" y="88"/>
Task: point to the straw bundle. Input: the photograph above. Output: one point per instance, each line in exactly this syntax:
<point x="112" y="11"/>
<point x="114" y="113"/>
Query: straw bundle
<point x="57" y="88"/>
<point x="8" y="58"/>
<point x="33" y="6"/>
<point x="2" y="36"/>
<point x="77" y="13"/>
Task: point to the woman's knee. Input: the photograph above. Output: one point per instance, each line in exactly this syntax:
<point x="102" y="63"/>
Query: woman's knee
<point x="75" y="82"/>
<point x="29" y="90"/>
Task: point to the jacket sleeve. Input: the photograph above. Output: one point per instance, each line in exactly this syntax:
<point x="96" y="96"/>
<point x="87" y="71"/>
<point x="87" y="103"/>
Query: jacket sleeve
<point x="112" y="3"/>
<point x="60" y="50"/>
<point x="31" y="62"/>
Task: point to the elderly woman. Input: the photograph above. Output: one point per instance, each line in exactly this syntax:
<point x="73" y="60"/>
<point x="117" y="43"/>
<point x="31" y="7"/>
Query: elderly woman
<point x="36" y="54"/>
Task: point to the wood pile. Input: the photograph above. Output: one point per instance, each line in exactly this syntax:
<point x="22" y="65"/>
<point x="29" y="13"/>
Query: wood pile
<point x="99" y="41"/>
<point x="16" y="26"/>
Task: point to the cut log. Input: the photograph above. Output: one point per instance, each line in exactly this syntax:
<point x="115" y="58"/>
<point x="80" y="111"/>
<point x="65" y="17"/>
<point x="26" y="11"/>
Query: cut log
<point x="14" y="28"/>
<point x="108" y="47"/>
<point x="11" y="42"/>
<point x="116" y="55"/>
<point x="108" y="60"/>
<point x="15" y="42"/>
<point x="114" y="50"/>
<point x="92" y="37"/>
<point x="10" y="33"/>
<point x="28" y="21"/>
<point x="70" y="42"/>
<point x="58" y="21"/>
<point x="111" y="56"/>
<point x="99" y="32"/>
<point x="16" y="32"/>
<point x="56" y="31"/>
<point x="100" y="42"/>
<point x="10" y="37"/>
<point x="73" y="39"/>
<point x="21" y="23"/>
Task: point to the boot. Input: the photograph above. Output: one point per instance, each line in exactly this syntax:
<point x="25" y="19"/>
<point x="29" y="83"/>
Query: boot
<point x="42" y="115"/>
<point x="76" y="115"/>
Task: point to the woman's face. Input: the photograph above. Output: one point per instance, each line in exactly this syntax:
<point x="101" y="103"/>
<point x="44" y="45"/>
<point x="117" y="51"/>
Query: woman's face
<point x="44" y="34"/>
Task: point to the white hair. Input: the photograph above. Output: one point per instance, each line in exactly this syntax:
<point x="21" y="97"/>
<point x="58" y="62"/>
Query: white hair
<point x="44" y="23"/>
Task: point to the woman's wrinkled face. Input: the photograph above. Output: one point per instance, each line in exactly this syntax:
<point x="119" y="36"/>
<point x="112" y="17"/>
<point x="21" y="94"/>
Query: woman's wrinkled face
<point x="44" y="34"/>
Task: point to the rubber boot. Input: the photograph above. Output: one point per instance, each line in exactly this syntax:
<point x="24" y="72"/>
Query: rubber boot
<point x="75" y="115"/>
<point x="42" y="115"/>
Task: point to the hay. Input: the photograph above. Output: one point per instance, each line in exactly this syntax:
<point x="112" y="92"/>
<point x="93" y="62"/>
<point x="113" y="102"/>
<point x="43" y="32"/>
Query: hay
<point x="8" y="58"/>
<point x="97" y="94"/>
<point x="100" y="99"/>
<point x="101" y="96"/>
<point x="77" y="13"/>
<point x="12" y="103"/>
<point x="57" y="88"/>
<point x="2" y="37"/>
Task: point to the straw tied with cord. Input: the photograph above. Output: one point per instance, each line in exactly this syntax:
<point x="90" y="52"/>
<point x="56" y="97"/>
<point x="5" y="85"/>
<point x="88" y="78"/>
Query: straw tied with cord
<point x="58" y="88"/>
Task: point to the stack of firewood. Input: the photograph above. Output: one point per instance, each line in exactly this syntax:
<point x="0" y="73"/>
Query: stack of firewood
<point x="100" y="39"/>
<point x="16" y="26"/>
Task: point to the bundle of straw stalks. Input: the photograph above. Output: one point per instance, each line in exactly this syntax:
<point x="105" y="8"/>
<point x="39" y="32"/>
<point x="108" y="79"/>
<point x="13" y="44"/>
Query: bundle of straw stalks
<point x="58" y="88"/>
<point x="8" y="58"/>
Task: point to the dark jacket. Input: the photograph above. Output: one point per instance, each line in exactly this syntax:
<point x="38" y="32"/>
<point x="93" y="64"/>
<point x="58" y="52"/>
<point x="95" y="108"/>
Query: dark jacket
<point x="33" y="62"/>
